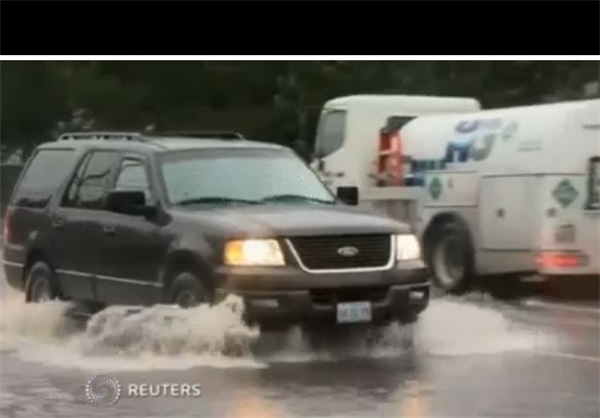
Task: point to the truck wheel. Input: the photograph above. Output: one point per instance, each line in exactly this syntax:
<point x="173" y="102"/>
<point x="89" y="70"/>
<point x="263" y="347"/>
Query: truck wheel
<point x="505" y="286"/>
<point x="451" y="258"/>
<point x="187" y="291"/>
<point x="41" y="285"/>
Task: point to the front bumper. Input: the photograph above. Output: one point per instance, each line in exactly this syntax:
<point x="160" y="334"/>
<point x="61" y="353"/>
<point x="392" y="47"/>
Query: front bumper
<point x="285" y="297"/>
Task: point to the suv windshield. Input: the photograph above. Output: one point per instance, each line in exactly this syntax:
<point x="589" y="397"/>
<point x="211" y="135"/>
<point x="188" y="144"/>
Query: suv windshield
<point x="239" y="176"/>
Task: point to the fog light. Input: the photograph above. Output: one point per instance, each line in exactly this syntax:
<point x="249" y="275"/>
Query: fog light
<point x="416" y="294"/>
<point x="265" y="303"/>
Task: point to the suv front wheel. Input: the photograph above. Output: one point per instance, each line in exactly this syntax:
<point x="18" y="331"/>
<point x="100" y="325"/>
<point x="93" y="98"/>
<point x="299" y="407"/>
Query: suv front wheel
<point x="187" y="291"/>
<point x="41" y="284"/>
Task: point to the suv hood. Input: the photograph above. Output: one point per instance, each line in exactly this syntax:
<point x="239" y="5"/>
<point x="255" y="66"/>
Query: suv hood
<point x="292" y="220"/>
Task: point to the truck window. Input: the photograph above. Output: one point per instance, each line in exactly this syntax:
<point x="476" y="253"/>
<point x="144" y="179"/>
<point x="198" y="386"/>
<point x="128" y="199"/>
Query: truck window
<point x="394" y="123"/>
<point x="331" y="132"/>
<point x="593" y="200"/>
<point x="48" y="169"/>
<point x="90" y="188"/>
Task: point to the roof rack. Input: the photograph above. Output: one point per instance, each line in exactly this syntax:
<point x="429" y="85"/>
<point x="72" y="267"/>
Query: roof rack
<point x="206" y="134"/>
<point x="131" y="136"/>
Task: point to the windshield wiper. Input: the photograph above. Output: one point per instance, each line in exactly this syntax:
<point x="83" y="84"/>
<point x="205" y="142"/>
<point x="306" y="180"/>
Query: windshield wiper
<point x="295" y="198"/>
<point x="213" y="200"/>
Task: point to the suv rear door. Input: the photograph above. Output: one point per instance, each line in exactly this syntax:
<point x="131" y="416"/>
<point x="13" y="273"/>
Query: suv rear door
<point x="27" y="225"/>
<point x="78" y="224"/>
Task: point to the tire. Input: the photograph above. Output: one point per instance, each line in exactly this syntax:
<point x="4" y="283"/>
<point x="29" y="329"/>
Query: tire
<point x="408" y="318"/>
<point x="41" y="284"/>
<point x="451" y="258"/>
<point x="504" y="287"/>
<point x="187" y="291"/>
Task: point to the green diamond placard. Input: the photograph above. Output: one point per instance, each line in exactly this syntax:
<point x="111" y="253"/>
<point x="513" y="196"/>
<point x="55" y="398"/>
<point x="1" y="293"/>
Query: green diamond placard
<point x="435" y="188"/>
<point x="565" y="193"/>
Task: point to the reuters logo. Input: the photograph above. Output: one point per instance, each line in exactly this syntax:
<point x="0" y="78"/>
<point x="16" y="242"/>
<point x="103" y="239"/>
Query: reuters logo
<point x="103" y="390"/>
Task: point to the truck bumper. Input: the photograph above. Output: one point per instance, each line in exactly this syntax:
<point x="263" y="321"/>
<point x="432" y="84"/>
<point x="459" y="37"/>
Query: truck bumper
<point x="299" y="298"/>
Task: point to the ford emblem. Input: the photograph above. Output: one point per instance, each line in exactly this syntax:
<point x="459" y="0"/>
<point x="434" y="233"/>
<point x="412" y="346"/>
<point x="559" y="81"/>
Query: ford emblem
<point x="347" y="251"/>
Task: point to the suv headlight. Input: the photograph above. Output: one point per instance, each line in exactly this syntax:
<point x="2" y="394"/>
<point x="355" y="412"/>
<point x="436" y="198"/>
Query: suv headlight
<point x="253" y="252"/>
<point x="407" y="248"/>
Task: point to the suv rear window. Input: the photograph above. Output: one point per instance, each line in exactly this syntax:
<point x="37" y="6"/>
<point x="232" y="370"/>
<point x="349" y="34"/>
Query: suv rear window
<point x="48" y="169"/>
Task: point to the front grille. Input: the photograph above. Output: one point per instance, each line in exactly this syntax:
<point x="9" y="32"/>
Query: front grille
<point x="322" y="253"/>
<point x="348" y="294"/>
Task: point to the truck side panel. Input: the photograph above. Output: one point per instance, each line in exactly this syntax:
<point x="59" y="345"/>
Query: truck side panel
<point x="515" y="151"/>
<point x="567" y="226"/>
<point x="509" y="212"/>
<point x="456" y="188"/>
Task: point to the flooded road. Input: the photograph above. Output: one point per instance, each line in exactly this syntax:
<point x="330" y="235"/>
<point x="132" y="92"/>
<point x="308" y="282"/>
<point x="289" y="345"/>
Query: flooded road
<point x="467" y="357"/>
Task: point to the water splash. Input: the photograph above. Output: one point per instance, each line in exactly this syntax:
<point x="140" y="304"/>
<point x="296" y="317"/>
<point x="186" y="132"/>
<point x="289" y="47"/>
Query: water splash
<point x="452" y="328"/>
<point x="18" y="321"/>
<point x="116" y="338"/>
<point x="216" y="336"/>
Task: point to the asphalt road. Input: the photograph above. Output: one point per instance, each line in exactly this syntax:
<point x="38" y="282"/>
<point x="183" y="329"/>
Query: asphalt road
<point x="468" y="357"/>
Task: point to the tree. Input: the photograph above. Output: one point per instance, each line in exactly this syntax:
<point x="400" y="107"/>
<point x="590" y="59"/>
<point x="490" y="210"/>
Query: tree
<point x="33" y="99"/>
<point x="273" y="100"/>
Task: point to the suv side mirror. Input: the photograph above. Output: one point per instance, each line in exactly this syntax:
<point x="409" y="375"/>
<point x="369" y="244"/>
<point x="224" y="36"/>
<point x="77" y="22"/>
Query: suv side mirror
<point x="348" y="195"/>
<point x="129" y="203"/>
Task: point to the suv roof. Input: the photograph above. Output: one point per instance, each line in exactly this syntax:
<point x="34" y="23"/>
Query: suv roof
<point x="157" y="142"/>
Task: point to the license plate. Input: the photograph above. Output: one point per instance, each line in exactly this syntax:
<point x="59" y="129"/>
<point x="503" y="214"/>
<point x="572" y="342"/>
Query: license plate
<point x="351" y="312"/>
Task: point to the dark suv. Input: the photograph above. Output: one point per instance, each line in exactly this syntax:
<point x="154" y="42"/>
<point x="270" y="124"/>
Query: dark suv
<point x="117" y="218"/>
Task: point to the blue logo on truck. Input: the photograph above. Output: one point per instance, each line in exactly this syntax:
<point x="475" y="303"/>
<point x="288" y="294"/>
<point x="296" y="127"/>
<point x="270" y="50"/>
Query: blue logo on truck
<point x="476" y="139"/>
<point x="473" y="140"/>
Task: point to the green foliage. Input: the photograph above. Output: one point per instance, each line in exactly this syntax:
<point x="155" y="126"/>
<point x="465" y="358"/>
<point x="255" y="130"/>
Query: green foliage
<point x="33" y="98"/>
<point x="277" y="101"/>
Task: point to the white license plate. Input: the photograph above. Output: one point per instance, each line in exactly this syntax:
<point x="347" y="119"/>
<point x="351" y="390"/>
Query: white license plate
<point x="351" y="312"/>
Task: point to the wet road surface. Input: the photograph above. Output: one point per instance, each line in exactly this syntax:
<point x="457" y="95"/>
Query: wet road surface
<point x="469" y="357"/>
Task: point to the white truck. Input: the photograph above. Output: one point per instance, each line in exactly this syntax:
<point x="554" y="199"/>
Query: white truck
<point x="503" y="192"/>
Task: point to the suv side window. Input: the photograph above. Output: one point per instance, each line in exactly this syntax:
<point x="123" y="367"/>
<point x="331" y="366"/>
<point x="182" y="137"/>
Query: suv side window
<point x="132" y="176"/>
<point x="88" y="189"/>
<point x="70" y="197"/>
<point x="47" y="171"/>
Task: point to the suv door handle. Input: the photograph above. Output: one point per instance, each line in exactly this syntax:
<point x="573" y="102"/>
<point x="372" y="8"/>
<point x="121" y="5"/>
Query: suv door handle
<point x="108" y="229"/>
<point x="58" y="222"/>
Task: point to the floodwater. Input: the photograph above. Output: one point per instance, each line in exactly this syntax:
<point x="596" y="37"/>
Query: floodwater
<point x="465" y="357"/>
